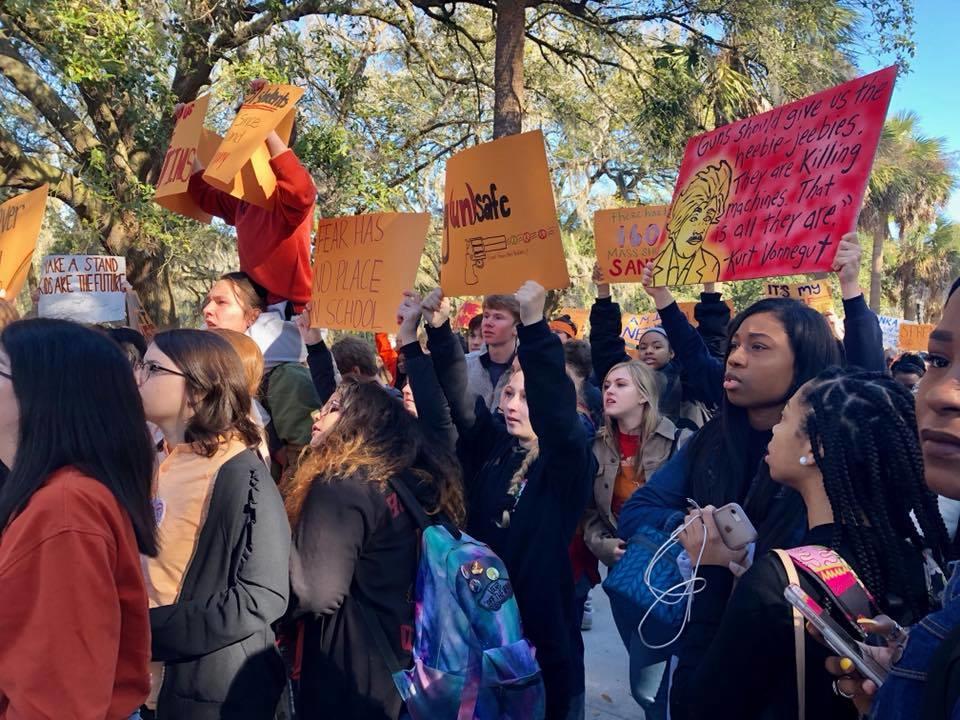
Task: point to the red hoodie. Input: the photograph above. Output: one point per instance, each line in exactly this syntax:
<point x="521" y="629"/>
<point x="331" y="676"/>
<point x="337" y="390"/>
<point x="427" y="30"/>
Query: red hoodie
<point x="274" y="245"/>
<point x="74" y="623"/>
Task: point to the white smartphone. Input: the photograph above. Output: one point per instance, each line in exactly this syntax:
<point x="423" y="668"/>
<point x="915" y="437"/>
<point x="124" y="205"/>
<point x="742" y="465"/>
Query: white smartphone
<point x="735" y="527"/>
<point x="834" y="635"/>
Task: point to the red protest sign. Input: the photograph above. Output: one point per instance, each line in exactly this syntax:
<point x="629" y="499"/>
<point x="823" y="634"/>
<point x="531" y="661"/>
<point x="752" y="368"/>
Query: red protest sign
<point x="774" y="193"/>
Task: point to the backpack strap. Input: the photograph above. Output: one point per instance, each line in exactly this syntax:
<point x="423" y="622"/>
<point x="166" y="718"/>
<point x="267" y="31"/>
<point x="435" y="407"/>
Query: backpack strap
<point x="799" y="642"/>
<point x="414" y="507"/>
<point x="834" y="576"/>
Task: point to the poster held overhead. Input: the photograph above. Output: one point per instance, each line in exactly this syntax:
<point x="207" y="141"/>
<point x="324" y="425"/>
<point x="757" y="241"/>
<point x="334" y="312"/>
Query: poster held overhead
<point x="500" y="224"/>
<point x="190" y="140"/>
<point x="83" y="288"/>
<point x="774" y="193"/>
<point x="815" y="294"/>
<point x="20" y="220"/>
<point x="361" y="266"/>
<point x="626" y="238"/>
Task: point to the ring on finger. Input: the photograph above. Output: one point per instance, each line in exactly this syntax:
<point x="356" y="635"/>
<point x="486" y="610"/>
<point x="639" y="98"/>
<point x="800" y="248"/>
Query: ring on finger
<point x="837" y="690"/>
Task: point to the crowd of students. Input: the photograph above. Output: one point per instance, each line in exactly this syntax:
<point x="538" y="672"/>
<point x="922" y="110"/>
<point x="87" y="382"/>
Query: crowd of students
<point x="208" y="525"/>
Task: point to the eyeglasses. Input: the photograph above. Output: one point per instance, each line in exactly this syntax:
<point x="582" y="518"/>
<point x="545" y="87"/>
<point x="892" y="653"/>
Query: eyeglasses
<point x="146" y="370"/>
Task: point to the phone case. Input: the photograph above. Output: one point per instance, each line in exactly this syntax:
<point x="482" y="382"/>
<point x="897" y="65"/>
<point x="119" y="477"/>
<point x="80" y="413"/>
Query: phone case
<point x="735" y="527"/>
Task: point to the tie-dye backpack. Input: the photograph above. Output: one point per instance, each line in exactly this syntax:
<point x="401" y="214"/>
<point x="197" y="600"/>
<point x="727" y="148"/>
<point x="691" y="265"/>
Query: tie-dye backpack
<point x="470" y="659"/>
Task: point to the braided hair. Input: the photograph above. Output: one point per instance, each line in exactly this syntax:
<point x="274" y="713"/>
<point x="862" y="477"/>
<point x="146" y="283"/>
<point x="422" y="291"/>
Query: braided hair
<point x="863" y="430"/>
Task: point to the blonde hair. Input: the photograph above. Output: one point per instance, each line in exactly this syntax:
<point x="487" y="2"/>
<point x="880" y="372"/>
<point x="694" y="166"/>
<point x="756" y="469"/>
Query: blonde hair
<point x="250" y="356"/>
<point x="515" y="488"/>
<point x="709" y="187"/>
<point x="645" y="380"/>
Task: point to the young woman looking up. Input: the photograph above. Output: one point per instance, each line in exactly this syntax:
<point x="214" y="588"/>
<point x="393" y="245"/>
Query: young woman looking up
<point x="75" y="510"/>
<point x="847" y="444"/>
<point x="220" y="579"/>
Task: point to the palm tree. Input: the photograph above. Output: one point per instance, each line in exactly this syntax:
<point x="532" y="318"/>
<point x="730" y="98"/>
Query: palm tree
<point x="927" y="261"/>
<point x="912" y="178"/>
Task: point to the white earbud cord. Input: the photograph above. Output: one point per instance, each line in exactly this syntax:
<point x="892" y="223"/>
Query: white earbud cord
<point x="676" y="594"/>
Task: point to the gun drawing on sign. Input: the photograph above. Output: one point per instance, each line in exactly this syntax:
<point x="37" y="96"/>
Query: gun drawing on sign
<point x="477" y="249"/>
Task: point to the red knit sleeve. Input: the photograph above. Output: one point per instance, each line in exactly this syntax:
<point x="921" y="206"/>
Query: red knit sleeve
<point x="387" y="354"/>
<point x="213" y="201"/>
<point x="296" y="193"/>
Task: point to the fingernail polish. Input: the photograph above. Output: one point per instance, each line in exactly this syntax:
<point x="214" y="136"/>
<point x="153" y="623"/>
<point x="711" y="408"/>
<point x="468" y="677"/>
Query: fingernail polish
<point x="846" y="664"/>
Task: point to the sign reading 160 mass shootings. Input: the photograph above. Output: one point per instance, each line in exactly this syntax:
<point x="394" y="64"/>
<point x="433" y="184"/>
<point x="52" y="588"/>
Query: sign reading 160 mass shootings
<point x="774" y="193"/>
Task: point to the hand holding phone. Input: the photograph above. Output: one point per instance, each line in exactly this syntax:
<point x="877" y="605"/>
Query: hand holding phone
<point x="734" y="526"/>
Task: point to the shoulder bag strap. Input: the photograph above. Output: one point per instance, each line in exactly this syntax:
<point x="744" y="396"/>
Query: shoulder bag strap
<point x="799" y="647"/>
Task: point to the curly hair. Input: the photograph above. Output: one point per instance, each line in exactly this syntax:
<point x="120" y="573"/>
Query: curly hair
<point x="377" y="439"/>
<point x="863" y="430"/>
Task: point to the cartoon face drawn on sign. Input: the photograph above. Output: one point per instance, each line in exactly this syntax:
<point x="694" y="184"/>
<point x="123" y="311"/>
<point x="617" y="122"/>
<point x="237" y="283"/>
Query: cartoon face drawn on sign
<point x="700" y="205"/>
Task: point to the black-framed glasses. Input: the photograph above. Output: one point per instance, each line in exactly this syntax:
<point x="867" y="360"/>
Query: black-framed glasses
<point x="148" y="369"/>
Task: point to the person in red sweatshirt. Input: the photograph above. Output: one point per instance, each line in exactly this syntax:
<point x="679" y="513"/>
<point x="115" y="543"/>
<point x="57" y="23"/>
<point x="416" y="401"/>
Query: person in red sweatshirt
<point x="273" y="245"/>
<point x="75" y="513"/>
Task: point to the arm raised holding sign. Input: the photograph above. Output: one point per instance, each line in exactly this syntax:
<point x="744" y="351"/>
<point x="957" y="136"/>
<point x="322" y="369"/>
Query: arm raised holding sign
<point x="862" y="338"/>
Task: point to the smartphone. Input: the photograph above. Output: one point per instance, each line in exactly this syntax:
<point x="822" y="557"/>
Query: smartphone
<point x="834" y="635"/>
<point x="735" y="527"/>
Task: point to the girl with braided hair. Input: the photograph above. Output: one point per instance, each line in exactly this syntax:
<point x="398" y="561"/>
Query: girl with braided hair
<point x="847" y="444"/>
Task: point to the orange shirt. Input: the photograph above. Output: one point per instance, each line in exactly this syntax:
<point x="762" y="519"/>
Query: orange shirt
<point x="628" y="479"/>
<point x="74" y="624"/>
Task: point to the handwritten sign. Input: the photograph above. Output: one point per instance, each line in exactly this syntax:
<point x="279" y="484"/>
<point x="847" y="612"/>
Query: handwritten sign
<point x="816" y="295"/>
<point x="499" y="219"/>
<point x="468" y="311"/>
<point x="361" y="266"/>
<point x="890" y="327"/>
<point x="579" y="316"/>
<point x="773" y="194"/>
<point x="188" y="134"/>
<point x="85" y="288"/>
<point x="268" y="109"/>
<point x="20" y="221"/>
<point x="687" y="308"/>
<point x="915" y="336"/>
<point x="626" y="239"/>
<point x="635" y="325"/>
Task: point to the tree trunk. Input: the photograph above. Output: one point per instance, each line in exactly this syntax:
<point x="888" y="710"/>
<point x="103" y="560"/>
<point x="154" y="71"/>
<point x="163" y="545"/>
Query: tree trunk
<point x="149" y="275"/>
<point x="908" y="298"/>
<point x="876" y="264"/>
<point x="508" y="68"/>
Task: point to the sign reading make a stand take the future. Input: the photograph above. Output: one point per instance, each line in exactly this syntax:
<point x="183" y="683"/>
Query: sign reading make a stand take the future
<point x="774" y="193"/>
<point x="84" y="288"/>
<point x="500" y="224"/>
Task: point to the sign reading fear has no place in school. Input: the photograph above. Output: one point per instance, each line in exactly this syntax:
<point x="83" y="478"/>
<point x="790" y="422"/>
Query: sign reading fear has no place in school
<point x="774" y="193"/>
<point x="85" y="288"/>
<point x="361" y="266"/>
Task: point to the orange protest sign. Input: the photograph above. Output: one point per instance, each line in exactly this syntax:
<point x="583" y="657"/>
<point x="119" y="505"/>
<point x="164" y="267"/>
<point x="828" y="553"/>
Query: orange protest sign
<point x="626" y="239"/>
<point x="687" y="308"/>
<point x="499" y="219"/>
<point x="816" y="294"/>
<point x="188" y="134"/>
<point x="915" y="336"/>
<point x="361" y="266"/>
<point x="20" y="221"/>
<point x="268" y="109"/>
<point x="635" y="325"/>
<point x="579" y="316"/>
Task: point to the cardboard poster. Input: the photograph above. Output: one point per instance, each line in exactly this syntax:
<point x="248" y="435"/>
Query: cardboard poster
<point x="468" y="310"/>
<point x="579" y="316"/>
<point x="816" y="294"/>
<point x="85" y="288"/>
<point x="915" y="336"/>
<point x="774" y="193"/>
<point x="243" y="148"/>
<point x="890" y="327"/>
<point x="185" y="146"/>
<point x="500" y="224"/>
<point x="687" y="309"/>
<point x="361" y="266"/>
<point x="626" y="239"/>
<point x="20" y="221"/>
<point x="635" y="325"/>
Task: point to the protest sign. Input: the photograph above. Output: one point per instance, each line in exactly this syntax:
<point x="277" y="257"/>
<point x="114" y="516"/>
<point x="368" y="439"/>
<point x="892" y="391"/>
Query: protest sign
<point x="915" y="336"/>
<point x="188" y="135"/>
<point x="626" y="239"/>
<point x="816" y="294"/>
<point x="687" y="308"/>
<point x="270" y="108"/>
<point x="890" y="327"/>
<point x="468" y="310"/>
<point x="635" y="325"/>
<point x="774" y="193"/>
<point x="20" y="221"/>
<point x="499" y="219"/>
<point x="361" y="266"/>
<point x="579" y="316"/>
<point x="85" y="288"/>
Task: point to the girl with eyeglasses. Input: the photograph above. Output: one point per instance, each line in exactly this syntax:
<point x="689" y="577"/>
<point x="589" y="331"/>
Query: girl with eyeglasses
<point x="220" y="578"/>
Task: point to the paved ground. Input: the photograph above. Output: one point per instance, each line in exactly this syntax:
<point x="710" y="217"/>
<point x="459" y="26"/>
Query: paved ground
<point x="608" y="697"/>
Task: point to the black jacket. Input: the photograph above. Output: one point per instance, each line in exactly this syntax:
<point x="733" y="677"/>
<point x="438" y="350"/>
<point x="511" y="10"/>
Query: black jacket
<point x="559" y="483"/>
<point x="320" y="362"/>
<point x="354" y="545"/>
<point x="216" y="641"/>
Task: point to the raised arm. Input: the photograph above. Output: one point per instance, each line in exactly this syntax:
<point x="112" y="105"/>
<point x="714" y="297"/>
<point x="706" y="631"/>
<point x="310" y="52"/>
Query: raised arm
<point x="319" y="358"/>
<point x="862" y="336"/>
<point x="713" y="318"/>
<point x="606" y="344"/>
